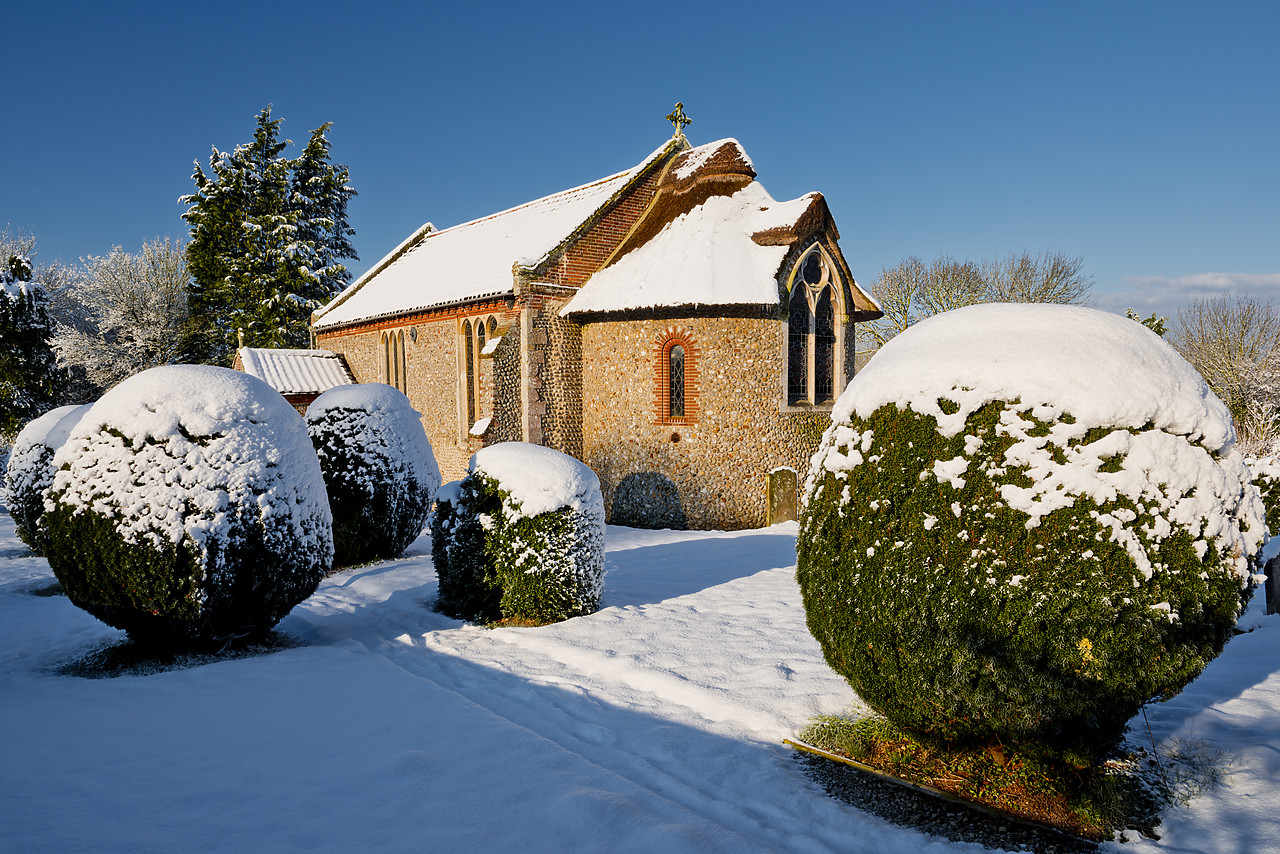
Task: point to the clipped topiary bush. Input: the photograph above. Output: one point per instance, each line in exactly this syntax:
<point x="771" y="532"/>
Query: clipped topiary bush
<point x="521" y="537"/>
<point x="1025" y="522"/>
<point x="30" y="471"/>
<point x="378" y="467"/>
<point x="188" y="508"/>
<point x="468" y="581"/>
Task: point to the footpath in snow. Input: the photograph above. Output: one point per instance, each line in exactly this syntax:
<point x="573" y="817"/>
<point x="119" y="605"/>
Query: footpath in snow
<point x="652" y="725"/>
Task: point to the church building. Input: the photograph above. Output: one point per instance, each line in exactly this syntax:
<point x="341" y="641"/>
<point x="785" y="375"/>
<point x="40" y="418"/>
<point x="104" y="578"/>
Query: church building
<point x="672" y="326"/>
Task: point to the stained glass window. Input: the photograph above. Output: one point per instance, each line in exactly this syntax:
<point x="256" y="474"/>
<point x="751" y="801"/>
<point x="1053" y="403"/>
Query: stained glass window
<point x="798" y="347"/>
<point x="813" y="337"/>
<point x="470" y="373"/>
<point x="824" y="348"/>
<point x="675" y="382"/>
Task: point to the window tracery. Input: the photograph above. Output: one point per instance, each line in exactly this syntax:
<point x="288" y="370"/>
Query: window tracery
<point x="814" y="334"/>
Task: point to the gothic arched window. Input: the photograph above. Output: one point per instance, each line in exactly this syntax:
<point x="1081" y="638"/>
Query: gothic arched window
<point x="814" y="335"/>
<point x="469" y="373"/>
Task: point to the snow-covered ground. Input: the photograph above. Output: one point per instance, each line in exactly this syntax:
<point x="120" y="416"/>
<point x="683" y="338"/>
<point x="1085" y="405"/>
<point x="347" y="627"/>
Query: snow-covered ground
<point x="652" y="725"/>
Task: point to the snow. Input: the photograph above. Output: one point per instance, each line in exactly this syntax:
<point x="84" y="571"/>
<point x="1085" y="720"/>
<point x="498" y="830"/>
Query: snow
<point x="51" y="429"/>
<point x="1176" y="457"/>
<point x="473" y="260"/>
<point x="177" y="449"/>
<point x="654" y="724"/>
<point x="1100" y="367"/>
<point x="696" y="158"/>
<point x="703" y="257"/>
<point x="540" y="479"/>
<point x="295" y="371"/>
<point x="377" y="423"/>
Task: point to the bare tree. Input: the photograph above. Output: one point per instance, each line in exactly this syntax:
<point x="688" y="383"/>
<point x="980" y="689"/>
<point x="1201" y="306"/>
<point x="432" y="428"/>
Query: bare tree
<point x="1234" y="342"/>
<point x="135" y="313"/>
<point x="913" y="290"/>
<point x="1047" y="277"/>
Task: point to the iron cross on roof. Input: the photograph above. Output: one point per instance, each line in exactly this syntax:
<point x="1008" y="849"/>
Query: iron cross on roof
<point x="679" y="119"/>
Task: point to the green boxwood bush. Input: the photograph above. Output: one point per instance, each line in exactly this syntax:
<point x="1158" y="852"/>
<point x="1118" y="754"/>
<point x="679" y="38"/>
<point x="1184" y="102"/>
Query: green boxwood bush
<point x="1024" y="523"/>
<point x="378" y="467"/>
<point x="188" y="508"/>
<point x="468" y="581"/>
<point x="521" y="538"/>
<point x="30" y="471"/>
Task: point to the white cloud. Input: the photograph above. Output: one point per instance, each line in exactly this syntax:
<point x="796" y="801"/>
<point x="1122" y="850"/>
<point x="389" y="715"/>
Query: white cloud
<point x="1164" y="296"/>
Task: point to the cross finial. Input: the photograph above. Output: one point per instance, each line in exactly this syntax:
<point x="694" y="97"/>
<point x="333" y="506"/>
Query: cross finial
<point x="680" y="120"/>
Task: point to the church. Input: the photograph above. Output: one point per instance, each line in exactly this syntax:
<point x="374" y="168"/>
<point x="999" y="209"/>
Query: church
<point x="672" y="326"/>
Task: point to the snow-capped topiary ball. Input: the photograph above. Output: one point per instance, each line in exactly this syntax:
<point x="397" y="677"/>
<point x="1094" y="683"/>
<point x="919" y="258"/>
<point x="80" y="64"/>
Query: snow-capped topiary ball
<point x="378" y="466"/>
<point x="1025" y="522"/>
<point x="522" y="537"/>
<point x="30" y="471"/>
<point x="188" y="508"/>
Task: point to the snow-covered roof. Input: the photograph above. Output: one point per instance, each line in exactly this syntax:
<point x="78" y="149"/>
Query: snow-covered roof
<point x="703" y="257"/>
<point x="473" y="260"/>
<point x="715" y="237"/>
<point x="295" y="371"/>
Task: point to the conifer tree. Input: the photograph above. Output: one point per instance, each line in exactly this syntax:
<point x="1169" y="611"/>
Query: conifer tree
<point x="266" y="233"/>
<point x="29" y="374"/>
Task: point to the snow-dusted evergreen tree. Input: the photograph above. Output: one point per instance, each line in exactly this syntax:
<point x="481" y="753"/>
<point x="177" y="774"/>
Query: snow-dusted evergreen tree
<point x="319" y="195"/>
<point x="29" y="374"/>
<point x="135" y="314"/>
<point x="266" y="233"/>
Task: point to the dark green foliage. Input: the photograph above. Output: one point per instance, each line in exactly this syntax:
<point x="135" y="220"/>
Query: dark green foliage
<point x="469" y="588"/>
<point x="188" y="509"/>
<point x="972" y="627"/>
<point x="1266" y="476"/>
<point x="168" y="595"/>
<point x="266" y="236"/>
<point x="379" y="506"/>
<point x="494" y="564"/>
<point x="29" y="374"/>
<point x="546" y="570"/>
<point x="30" y="472"/>
<point x="25" y="500"/>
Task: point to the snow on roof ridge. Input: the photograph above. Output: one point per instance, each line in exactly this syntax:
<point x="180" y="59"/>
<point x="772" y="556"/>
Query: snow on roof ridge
<point x="696" y="158"/>
<point x="705" y="257"/>
<point x="405" y="246"/>
<point x="396" y="301"/>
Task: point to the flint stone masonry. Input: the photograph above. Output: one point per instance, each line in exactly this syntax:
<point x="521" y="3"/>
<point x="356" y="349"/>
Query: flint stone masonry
<point x="594" y="383"/>
<point x="720" y="463"/>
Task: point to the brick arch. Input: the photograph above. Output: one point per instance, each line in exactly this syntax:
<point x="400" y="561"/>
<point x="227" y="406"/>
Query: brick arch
<point x="662" y="344"/>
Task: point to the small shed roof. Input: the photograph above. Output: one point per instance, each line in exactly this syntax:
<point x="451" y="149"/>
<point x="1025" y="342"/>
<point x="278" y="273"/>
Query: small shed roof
<point x="295" y="371"/>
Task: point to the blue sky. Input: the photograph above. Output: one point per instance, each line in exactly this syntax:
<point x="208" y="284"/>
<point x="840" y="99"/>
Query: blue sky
<point x="1143" y="137"/>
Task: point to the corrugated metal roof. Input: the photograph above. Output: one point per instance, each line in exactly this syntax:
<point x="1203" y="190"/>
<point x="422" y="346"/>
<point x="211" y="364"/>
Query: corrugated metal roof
<point x="295" y="371"/>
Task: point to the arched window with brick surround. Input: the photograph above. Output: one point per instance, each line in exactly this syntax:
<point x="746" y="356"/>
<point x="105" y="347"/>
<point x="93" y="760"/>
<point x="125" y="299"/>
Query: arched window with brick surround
<point x="815" y="331"/>
<point x="469" y="373"/>
<point x="479" y="339"/>
<point x="675" y="377"/>
<point x="392" y="369"/>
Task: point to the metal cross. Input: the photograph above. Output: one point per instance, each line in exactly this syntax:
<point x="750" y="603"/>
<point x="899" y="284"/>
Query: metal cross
<point x="679" y="119"/>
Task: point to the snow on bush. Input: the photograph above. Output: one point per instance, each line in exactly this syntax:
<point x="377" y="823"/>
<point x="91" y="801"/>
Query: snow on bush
<point x="378" y="466"/>
<point x="468" y="584"/>
<point x="521" y="537"/>
<point x="1024" y="522"/>
<point x="188" y="507"/>
<point x="30" y="471"/>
